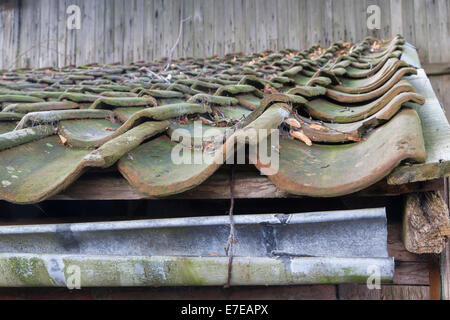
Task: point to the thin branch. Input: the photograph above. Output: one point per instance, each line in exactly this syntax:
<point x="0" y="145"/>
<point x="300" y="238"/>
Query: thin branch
<point x="152" y="74"/>
<point x="169" y="61"/>
<point x="231" y="237"/>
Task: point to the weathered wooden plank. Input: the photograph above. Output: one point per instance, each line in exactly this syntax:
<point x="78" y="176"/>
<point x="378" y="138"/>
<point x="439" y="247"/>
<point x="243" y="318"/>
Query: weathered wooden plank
<point x="99" y="31"/>
<point x="328" y="23"/>
<point x="9" y="18"/>
<point x="396" y="17"/>
<point x="158" y="29"/>
<point x="434" y="44"/>
<point x="444" y="28"/>
<point x="397" y="249"/>
<point x="314" y="33"/>
<point x="434" y="277"/>
<point x="250" y="26"/>
<point x="425" y="216"/>
<point x="445" y="273"/>
<point x="293" y="24"/>
<point x="350" y="23"/>
<point x="218" y="26"/>
<point x="208" y="25"/>
<point x="436" y="69"/>
<point x="320" y="292"/>
<point x="119" y="25"/>
<point x="271" y="22"/>
<point x="198" y="29"/>
<point x="239" y="25"/>
<point x="411" y="273"/>
<point x="421" y="29"/>
<point x="387" y="292"/>
<point x="186" y="46"/>
<point x="338" y="20"/>
<point x="85" y="37"/>
<point x="228" y="27"/>
<point x="261" y="33"/>
<point x="111" y="186"/>
<point x="148" y="31"/>
<point x="137" y="30"/>
<point x="408" y="25"/>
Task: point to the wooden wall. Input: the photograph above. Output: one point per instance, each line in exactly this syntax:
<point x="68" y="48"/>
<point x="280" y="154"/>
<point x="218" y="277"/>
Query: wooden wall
<point x="34" y="34"/>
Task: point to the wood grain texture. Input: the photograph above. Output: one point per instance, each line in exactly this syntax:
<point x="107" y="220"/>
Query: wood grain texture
<point x="387" y="292"/>
<point x="445" y="274"/>
<point x="34" y="32"/>
<point x="248" y="185"/>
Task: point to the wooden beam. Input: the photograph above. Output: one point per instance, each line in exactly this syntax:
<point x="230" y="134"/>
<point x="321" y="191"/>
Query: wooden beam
<point x="437" y="69"/>
<point x="387" y="292"/>
<point x="248" y="185"/>
<point x="445" y="274"/>
<point x="424" y="219"/>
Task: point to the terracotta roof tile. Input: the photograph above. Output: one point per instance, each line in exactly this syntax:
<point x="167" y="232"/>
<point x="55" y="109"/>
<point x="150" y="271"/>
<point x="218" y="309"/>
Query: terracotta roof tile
<point x="347" y="129"/>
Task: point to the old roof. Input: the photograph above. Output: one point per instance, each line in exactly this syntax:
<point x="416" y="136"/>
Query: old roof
<point x="340" y="110"/>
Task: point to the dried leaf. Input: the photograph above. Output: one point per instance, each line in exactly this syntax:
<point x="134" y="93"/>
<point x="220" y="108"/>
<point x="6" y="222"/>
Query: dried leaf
<point x="300" y="135"/>
<point x="63" y="140"/>
<point x="316" y="126"/>
<point x="293" y="123"/>
<point x="269" y="89"/>
<point x="357" y="139"/>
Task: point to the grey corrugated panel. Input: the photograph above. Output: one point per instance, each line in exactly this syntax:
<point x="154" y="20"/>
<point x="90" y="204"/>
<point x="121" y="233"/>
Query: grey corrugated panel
<point x="272" y="249"/>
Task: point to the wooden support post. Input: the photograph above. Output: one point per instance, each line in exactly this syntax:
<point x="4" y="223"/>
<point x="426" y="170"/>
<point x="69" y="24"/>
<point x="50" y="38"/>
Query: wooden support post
<point x="445" y="274"/>
<point x="445" y="255"/>
<point x="425" y="222"/>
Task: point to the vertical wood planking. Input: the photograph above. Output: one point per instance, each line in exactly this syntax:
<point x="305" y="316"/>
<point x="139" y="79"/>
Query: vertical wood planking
<point x="421" y="29"/>
<point x="208" y="27"/>
<point x="35" y="33"/>
<point x="118" y="30"/>
<point x="219" y="28"/>
<point x="396" y="17"/>
<point x="99" y="32"/>
<point x="444" y="26"/>
<point x="271" y="24"/>
<point x="239" y="25"/>
<point x="314" y="15"/>
<point x="434" y="43"/>
<point x="148" y="30"/>
<point x="186" y="45"/>
<point x="408" y="25"/>
<point x="228" y="27"/>
<point x="85" y="40"/>
<point x="338" y="20"/>
<point x="108" y="31"/>
<point x="250" y="26"/>
<point x="261" y="31"/>
<point x="138" y="31"/>
<point x="283" y="24"/>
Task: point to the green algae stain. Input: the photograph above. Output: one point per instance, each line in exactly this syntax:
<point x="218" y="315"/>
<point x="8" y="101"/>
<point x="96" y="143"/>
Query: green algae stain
<point x="30" y="271"/>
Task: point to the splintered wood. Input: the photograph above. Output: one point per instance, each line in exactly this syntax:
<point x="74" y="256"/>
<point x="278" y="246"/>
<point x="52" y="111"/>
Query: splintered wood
<point x="426" y="222"/>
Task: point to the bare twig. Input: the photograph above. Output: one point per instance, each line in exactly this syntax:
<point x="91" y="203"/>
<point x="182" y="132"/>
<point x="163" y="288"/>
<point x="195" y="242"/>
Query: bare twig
<point x="152" y="74"/>
<point x="231" y="237"/>
<point x="169" y="61"/>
